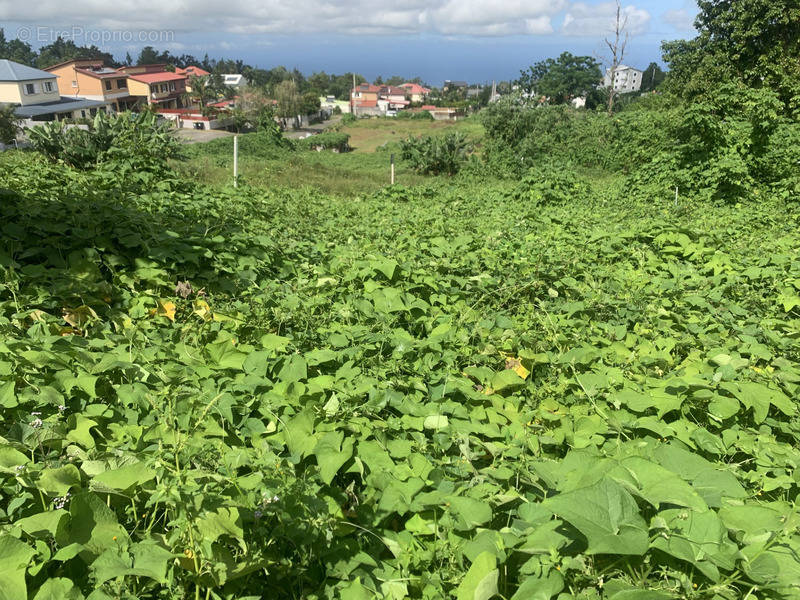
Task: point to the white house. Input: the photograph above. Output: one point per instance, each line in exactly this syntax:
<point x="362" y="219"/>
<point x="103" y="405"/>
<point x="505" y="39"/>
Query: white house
<point x="626" y="79"/>
<point x="234" y="81"/>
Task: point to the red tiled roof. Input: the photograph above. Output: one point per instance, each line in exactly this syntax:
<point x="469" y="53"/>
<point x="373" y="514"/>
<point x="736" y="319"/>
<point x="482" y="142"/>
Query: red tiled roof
<point x="157" y="77"/>
<point x="429" y="107"/>
<point x="368" y="87"/>
<point x="192" y="70"/>
<point x="415" y="88"/>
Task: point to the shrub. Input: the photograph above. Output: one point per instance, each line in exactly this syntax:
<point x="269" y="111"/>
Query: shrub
<point x="9" y="124"/>
<point x="552" y="183"/>
<point x="421" y="115"/>
<point x="348" y="118"/>
<point x="436" y="155"/>
<point x="329" y="140"/>
<point x="128" y="142"/>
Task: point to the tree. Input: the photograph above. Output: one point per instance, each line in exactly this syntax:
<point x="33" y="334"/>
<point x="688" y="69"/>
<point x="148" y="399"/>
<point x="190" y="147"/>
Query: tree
<point x="16" y="50"/>
<point x="756" y="43"/>
<point x="561" y="79"/>
<point x="652" y="77"/>
<point x="150" y="55"/>
<point x="9" y="124"/>
<point x="289" y="100"/>
<point x="310" y="103"/>
<point x="617" y="49"/>
<point x="62" y="50"/>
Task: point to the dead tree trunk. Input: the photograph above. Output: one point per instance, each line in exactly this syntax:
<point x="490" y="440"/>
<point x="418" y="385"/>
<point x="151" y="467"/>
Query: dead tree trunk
<point x="617" y="49"/>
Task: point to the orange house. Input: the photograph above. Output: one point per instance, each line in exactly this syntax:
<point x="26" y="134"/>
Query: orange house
<point x="163" y="89"/>
<point x="89" y="78"/>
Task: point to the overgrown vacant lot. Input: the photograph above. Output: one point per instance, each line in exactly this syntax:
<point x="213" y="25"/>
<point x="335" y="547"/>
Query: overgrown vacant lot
<point x="443" y="391"/>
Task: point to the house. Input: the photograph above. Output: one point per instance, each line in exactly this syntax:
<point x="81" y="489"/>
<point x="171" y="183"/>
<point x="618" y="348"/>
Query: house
<point x="394" y="97"/>
<point x="416" y="92"/>
<point x="474" y="92"/>
<point x="25" y="85"/>
<point x="164" y="89"/>
<point x="192" y="71"/>
<point x="234" y="80"/>
<point x="35" y="93"/>
<point x="440" y="113"/>
<point x="89" y="78"/>
<point x="626" y="79"/>
<point x="364" y="98"/>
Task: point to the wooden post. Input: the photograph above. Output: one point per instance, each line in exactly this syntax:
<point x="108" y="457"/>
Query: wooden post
<point x="392" y="161"/>
<point x="235" y="160"/>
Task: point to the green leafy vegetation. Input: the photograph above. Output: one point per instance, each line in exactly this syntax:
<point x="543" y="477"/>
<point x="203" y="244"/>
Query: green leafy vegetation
<point x="436" y="155"/>
<point x="566" y="367"/>
<point x="329" y="140"/>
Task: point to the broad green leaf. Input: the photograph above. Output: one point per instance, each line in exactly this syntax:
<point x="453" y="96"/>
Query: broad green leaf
<point x="480" y="582"/>
<point x="606" y="514"/>
<point x="540" y="588"/>
<point x="61" y="480"/>
<point x="507" y="380"/>
<point x="472" y="512"/>
<point x="224" y="521"/>
<point x="331" y="454"/>
<point x="151" y="560"/>
<point x="123" y="478"/>
<point x="93" y="524"/>
<point x="14" y="559"/>
<point x="436" y="422"/>
<point x="58" y="588"/>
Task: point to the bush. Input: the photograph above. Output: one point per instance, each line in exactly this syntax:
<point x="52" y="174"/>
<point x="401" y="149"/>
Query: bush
<point x="329" y="140"/>
<point x="9" y="124"/>
<point x="436" y="155"/>
<point x="126" y="142"/>
<point x="348" y="118"/>
<point x="552" y="183"/>
<point x="422" y="115"/>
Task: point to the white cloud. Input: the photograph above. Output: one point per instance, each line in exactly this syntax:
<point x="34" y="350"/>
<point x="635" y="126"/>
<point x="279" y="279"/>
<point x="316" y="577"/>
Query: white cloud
<point x="448" y="17"/>
<point x="680" y="19"/>
<point x="598" y="19"/>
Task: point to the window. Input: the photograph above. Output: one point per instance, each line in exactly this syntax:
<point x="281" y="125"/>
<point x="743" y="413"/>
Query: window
<point x="171" y="86"/>
<point x="121" y="84"/>
<point x="48" y="86"/>
<point x="108" y="85"/>
<point x="74" y="83"/>
<point x="83" y="114"/>
<point x="30" y="89"/>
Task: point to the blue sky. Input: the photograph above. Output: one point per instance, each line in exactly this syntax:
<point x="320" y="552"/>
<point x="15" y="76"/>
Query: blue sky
<point x="473" y="40"/>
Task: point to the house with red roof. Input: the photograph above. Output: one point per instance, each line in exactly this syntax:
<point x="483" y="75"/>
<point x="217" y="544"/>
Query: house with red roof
<point x="164" y="89"/>
<point x="416" y="92"/>
<point x="90" y="78"/>
<point x="192" y="71"/>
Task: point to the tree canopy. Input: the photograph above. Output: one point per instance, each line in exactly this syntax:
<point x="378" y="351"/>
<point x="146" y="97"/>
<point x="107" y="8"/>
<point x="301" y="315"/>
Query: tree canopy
<point x="562" y="78"/>
<point x="755" y="43"/>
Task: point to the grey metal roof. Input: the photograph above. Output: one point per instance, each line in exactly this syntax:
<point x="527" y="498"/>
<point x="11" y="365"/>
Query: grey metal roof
<point x="13" y="71"/>
<point x="51" y="108"/>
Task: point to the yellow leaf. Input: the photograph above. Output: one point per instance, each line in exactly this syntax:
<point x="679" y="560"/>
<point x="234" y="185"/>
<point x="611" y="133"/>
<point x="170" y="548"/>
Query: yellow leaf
<point x="515" y="364"/>
<point x="166" y="308"/>
<point x="78" y="317"/>
<point x="203" y="310"/>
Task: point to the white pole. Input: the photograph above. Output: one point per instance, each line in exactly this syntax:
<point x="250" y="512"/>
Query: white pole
<point x="235" y="159"/>
<point x="392" y="169"/>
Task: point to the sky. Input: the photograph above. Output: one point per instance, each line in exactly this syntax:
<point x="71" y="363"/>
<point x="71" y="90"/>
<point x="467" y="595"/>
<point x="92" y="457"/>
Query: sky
<point x="473" y="40"/>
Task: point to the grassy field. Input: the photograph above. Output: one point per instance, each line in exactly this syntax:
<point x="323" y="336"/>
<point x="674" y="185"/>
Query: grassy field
<point x="364" y="170"/>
